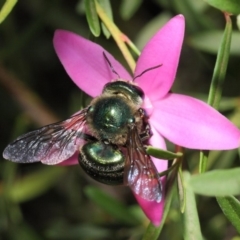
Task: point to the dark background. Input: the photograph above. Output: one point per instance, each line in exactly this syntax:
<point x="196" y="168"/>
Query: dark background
<point x="47" y="202"/>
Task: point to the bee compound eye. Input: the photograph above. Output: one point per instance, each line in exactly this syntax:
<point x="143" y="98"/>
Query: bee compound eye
<point x="133" y="92"/>
<point x="103" y="162"/>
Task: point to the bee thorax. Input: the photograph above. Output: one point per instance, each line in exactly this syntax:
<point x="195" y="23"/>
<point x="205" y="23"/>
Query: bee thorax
<point x="108" y="118"/>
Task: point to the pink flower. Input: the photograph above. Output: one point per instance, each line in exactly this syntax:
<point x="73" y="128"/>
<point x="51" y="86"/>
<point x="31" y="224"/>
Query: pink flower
<point x="183" y="120"/>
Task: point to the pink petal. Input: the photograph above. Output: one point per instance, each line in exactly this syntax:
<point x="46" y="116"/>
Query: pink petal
<point x="84" y="62"/>
<point x="164" y="48"/>
<point x="154" y="210"/>
<point x="192" y="123"/>
<point x="157" y="141"/>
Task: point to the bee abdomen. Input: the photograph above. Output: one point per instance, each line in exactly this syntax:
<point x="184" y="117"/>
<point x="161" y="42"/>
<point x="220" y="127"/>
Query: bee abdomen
<point x="103" y="162"/>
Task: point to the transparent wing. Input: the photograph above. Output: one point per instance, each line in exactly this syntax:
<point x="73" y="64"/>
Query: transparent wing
<point x="50" y="144"/>
<point x="140" y="173"/>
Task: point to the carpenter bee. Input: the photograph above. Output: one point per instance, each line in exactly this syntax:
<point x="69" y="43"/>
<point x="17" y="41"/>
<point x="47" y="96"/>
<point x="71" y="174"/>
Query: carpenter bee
<point x="109" y="135"/>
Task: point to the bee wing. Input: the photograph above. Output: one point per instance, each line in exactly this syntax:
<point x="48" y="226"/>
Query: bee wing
<point x="140" y="173"/>
<point x="50" y="144"/>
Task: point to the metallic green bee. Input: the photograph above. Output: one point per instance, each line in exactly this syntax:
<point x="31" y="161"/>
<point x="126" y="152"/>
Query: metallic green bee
<point x="109" y="135"/>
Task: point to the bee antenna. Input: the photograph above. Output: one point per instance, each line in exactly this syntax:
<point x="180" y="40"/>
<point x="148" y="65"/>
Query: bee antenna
<point x="148" y="69"/>
<point x="110" y="65"/>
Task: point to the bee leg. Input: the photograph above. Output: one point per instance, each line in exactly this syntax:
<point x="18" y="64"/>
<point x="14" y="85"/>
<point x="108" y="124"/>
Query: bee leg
<point x="87" y="137"/>
<point x="146" y="134"/>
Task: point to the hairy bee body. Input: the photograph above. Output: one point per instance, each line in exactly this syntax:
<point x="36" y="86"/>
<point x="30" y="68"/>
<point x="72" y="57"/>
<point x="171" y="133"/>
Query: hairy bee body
<point x="108" y="118"/>
<point x="109" y="135"/>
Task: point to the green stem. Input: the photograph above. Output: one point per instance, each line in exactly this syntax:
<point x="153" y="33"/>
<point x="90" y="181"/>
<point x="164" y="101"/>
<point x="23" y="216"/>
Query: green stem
<point x="118" y="36"/>
<point x="132" y="45"/>
<point x="176" y="164"/>
<point x="203" y="161"/>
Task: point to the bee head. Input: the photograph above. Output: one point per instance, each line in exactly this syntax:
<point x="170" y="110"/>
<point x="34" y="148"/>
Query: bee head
<point x="128" y="90"/>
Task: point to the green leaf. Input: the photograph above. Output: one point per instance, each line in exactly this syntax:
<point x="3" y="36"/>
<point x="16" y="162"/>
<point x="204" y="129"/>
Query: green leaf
<point x="192" y="230"/>
<point x="34" y="184"/>
<point x="106" y="6"/>
<point x="6" y="9"/>
<point x="92" y="17"/>
<point x="210" y="41"/>
<point x="229" y="6"/>
<point x="220" y="67"/>
<point x="128" y="8"/>
<point x="162" y="154"/>
<point x="217" y="183"/>
<point x="112" y="206"/>
<point x="231" y="208"/>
